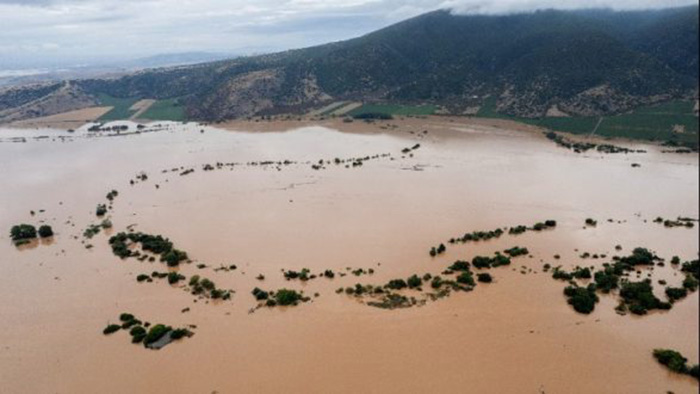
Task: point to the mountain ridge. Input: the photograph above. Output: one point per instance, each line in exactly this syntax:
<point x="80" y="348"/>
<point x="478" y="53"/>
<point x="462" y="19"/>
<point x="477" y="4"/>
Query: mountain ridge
<point x="584" y="63"/>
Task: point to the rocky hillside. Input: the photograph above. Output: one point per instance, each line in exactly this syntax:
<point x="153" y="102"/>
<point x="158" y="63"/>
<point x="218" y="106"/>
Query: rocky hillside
<point x="43" y="100"/>
<point x="576" y="62"/>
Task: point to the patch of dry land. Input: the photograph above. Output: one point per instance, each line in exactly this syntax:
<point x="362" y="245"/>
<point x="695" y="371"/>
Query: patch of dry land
<point x="64" y="120"/>
<point x="359" y="206"/>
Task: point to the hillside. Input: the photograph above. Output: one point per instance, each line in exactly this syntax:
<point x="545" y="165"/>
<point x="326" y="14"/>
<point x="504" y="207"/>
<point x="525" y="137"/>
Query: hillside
<point x="582" y="63"/>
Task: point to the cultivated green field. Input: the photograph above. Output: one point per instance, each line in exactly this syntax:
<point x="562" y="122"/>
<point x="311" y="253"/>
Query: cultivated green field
<point x="652" y="123"/>
<point x="120" y="110"/>
<point x="655" y="123"/>
<point x="392" y="109"/>
<point x="165" y="110"/>
<point x="575" y="125"/>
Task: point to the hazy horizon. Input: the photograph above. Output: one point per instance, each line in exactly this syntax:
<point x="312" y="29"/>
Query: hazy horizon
<point x="62" y="33"/>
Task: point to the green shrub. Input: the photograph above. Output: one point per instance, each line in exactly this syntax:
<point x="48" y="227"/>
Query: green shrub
<point x="260" y="294"/>
<point x="137" y="330"/>
<point x="45" y="231"/>
<point x="126" y="317"/>
<point x="500" y="260"/>
<point x="466" y="278"/>
<point x="287" y="297"/>
<point x="112" y="328"/>
<point x="694" y="371"/>
<point x="101" y="210"/>
<point x="207" y="284"/>
<point x="606" y="280"/>
<point x="481" y="262"/>
<point x="517" y="230"/>
<point x="583" y="299"/>
<point x="639" y="256"/>
<point x="22" y="232"/>
<point x="690" y="283"/>
<point x="516" y="251"/>
<point x="484" y="277"/>
<point x="414" y="281"/>
<point x="143" y="278"/>
<point x="560" y="274"/>
<point x="179" y="333"/>
<point x="672" y="360"/>
<point x="676" y="293"/>
<point x="138" y="338"/>
<point x="582" y="273"/>
<point x="459" y="265"/>
<point x="174" y="277"/>
<point x="155" y="333"/>
<point x="396" y="284"/>
<point x="173" y="257"/>
<point x="692" y="267"/>
<point x="640" y="298"/>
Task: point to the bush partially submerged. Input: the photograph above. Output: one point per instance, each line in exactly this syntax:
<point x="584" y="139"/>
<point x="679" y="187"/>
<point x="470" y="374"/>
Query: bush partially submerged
<point x="459" y="265"/>
<point x="112" y="328"/>
<point x="488" y="262"/>
<point x="287" y="297"/>
<point x="174" y="277"/>
<point x="396" y="284"/>
<point x="639" y="297"/>
<point x="606" y="280"/>
<point x="414" y="282"/>
<point x="45" y="231"/>
<point x="675" y="361"/>
<point x="150" y="243"/>
<point x="676" y="293"/>
<point x="434" y="251"/>
<point x="583" y="299"/>
<point x="484" y="277"/>
<point x="23" y="232"/>
<point x="639" y="256"/>
<point x="692" y="268"/>
<point x="206" y="288"/>
<point x="560" y="274"/>
<point x="690" y="283"/>
<point x="155" y="333"/>
<point x="101" y="210"/>
<point x="466" y="278"/>
<point x="260" y="294"/>
<point x="581" y="273"/>
<point x="516" y="251"/>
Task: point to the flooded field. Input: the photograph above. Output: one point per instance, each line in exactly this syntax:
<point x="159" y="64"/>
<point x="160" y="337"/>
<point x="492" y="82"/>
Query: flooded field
<point x="269" y="198"/>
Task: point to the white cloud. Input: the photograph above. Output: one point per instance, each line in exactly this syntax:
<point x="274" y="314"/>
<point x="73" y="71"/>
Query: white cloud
<point x="85" y="30"/>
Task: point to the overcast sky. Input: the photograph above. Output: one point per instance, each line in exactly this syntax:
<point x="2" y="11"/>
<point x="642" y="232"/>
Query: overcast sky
<point x="36" y="32"/>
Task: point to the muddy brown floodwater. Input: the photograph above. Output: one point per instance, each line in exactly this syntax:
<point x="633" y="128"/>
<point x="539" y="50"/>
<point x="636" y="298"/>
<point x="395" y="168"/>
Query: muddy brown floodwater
<point x="516" y="335"/>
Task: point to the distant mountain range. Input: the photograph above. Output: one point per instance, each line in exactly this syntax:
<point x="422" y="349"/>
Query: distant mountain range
<point x="22" y="74"/>
<point x="575" y="62"/>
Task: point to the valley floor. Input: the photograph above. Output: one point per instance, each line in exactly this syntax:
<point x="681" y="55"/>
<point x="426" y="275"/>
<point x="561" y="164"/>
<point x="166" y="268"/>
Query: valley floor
<point x="281" y="201"/>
